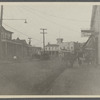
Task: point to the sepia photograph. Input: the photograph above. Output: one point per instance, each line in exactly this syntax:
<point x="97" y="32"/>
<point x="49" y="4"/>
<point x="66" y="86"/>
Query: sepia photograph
<point x="49" y="48"/>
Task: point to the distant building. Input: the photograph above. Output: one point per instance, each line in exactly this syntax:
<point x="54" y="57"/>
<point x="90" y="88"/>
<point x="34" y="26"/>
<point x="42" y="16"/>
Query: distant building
<point x="52" y="49"/>
<point x="61" y="47"/>
<point x="36" y="50"/>
<point x="66" y="47"/>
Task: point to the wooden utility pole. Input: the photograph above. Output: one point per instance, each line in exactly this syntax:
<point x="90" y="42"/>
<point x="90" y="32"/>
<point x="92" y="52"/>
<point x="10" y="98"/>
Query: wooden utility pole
<point x="1" y="18"/>
<point x="43" y="38"/>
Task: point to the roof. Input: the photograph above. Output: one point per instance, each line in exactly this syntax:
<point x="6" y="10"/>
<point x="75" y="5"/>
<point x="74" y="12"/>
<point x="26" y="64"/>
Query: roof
<point x="52" y="45"/>
<point x="37" y="47"/>
<point x="3" y="29"/>
<point x="20" y="41"/>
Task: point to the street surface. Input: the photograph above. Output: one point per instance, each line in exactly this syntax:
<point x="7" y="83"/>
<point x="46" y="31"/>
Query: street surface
<point x="26" y="78"/>
<point x="50" y="77"/>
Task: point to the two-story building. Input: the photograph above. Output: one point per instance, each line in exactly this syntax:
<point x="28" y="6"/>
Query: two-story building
<point x="61" y="48"/>
<point x="52" y="49"/>
<point x="13" y="47"/>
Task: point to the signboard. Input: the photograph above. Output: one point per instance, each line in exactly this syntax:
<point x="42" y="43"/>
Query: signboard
<point x="86" y="33"/>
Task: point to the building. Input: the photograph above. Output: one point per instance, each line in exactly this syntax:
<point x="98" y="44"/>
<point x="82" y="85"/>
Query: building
<point x="61" y="48"/>
<point x="52" y="49"/>
<point x="95" y="26"/>
<point x="66" y="47"/>
<point x="22" y="49"/>
<point x="36" y="50"/>
<point x="92" y="45"/>
<point x="13" y="47"/>
<point x="5" y="34"/>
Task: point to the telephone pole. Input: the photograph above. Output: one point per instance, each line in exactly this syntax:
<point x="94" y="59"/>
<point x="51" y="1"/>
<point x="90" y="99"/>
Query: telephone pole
<point x="1" y="18"/>
<point x="43" y="38"/>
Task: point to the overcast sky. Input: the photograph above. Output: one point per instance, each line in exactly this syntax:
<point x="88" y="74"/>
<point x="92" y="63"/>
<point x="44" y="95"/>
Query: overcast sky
<point x="60" y="19"/>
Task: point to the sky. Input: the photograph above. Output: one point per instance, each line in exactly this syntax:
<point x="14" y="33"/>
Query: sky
<point x="62" y="20"/>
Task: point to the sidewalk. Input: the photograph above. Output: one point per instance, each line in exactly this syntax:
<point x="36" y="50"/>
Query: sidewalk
<point x="84" y="80"/>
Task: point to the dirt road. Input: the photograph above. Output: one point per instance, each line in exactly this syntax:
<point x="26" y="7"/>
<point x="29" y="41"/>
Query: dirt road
<point x="26" y="78"/>
<point x="51" y="77"/>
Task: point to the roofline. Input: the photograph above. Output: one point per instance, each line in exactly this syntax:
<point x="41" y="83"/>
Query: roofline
<point x="7" y="30"/>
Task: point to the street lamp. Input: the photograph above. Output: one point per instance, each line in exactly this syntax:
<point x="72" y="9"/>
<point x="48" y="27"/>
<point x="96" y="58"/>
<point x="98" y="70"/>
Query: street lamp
<point x="16" y="19"/>
<point x="1" y="19"/>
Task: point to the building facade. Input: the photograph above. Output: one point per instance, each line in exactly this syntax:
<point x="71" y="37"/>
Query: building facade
<point x="61" y="48"/>
<point x="66" y="47"/>
<point x="14" y="47"/>
<point x="52" y="49"/>
<point x="36" y="50"/>
<point x="93" y="42"/>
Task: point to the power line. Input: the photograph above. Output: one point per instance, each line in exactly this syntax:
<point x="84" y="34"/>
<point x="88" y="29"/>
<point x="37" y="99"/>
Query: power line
<point x="63" y="18"/>
<point x="32" y="12"/>
<point x="52" y="21"/>
<point x="20" y="32"/>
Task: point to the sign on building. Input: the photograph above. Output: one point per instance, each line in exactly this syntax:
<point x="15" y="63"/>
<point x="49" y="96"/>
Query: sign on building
<point x="86" y="33"/>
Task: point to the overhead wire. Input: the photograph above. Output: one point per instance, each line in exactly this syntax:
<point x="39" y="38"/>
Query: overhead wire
<point x="63" y="18"/>
<point x="52" y="21"/>
<point x="20" y="32"/>
<point x="72" y="20"/>
<point x="45" y="18"/>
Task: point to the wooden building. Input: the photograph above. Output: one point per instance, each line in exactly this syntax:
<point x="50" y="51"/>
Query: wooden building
<point x="13" y="47"/>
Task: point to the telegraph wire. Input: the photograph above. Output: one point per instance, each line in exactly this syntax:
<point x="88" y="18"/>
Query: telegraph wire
<point x="32" y="12"/>
<point x="63" y="18"/>
<point x="20" y="32"/>
<point x="52" y="21"/>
